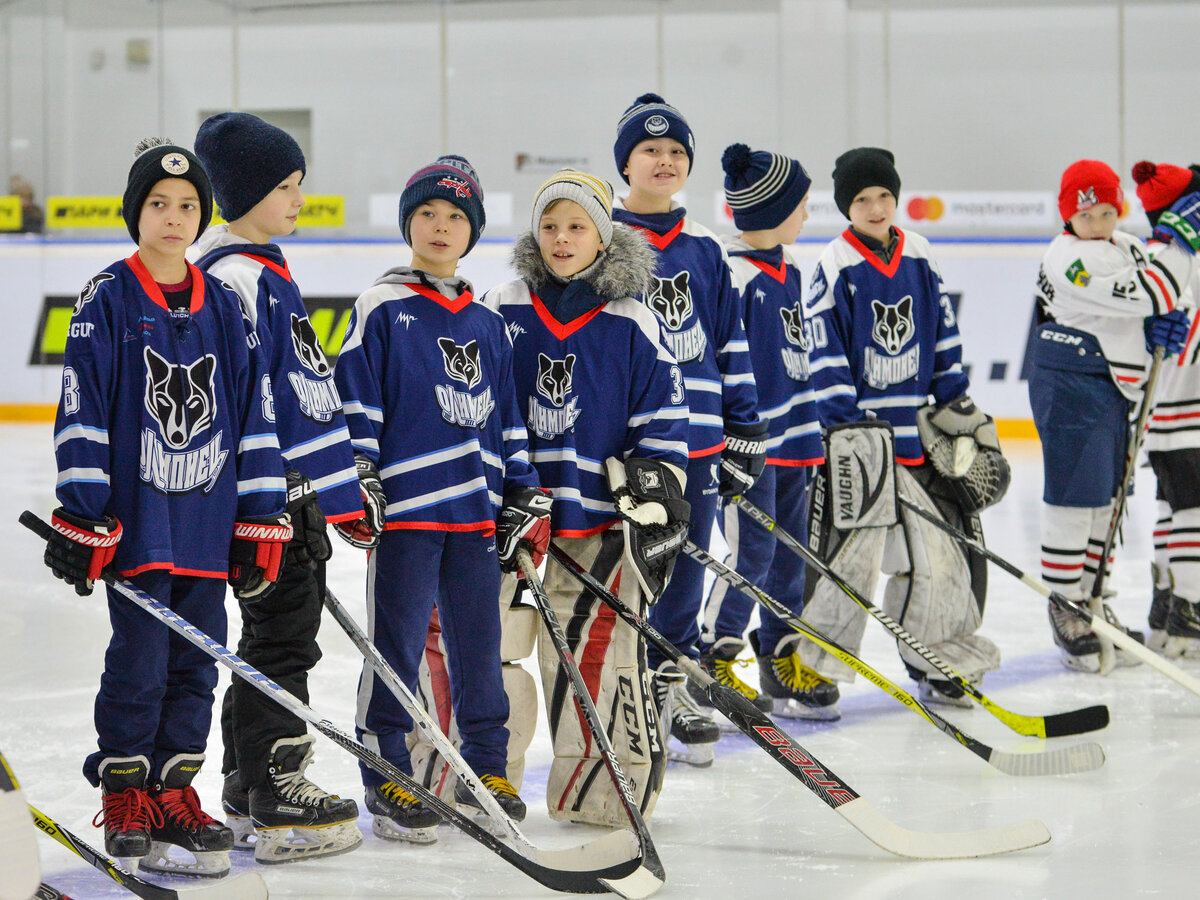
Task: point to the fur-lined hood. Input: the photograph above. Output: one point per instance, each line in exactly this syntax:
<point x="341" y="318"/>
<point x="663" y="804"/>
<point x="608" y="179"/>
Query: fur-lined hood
<point x="622" y="270"/>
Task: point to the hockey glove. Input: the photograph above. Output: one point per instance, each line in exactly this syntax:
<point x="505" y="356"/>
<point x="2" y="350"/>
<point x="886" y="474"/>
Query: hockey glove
<point x="961" y="443"/>
<point x="256" y="554"/>
<point x="523" y="524"/>
<point x="649" y="499"/>
<point x="364" y="533"/>
<point x="310" y="539"/>
<point x="743" y="457"/>
<point x="81" y="549"/>
<point x="1181" y="223"/>
<point x="1169" y="331"/>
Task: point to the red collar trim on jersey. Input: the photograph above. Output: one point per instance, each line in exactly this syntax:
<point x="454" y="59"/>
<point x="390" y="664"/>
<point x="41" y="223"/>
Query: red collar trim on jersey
<point x="869" y="255"/>
<point x="557" y="328"/>
<point x="779" y="274"/>
<point x="456" y="305"/>
<point x="282" y="271"/>
<point x="154" y="292"/>
<point x="661" y="241"/>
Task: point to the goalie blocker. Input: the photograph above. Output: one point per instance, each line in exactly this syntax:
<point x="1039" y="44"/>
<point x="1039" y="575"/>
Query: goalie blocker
<point x="654" y="517"/>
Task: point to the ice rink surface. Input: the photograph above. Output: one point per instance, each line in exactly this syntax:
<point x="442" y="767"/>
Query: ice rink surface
<point x="743" y="828"/>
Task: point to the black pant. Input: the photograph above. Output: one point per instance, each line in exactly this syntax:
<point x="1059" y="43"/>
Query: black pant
<point x="279" y="638"/>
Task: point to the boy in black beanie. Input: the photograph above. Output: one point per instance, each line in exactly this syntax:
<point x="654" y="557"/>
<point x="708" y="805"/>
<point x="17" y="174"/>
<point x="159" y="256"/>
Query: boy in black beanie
<point x="256" y="171"/>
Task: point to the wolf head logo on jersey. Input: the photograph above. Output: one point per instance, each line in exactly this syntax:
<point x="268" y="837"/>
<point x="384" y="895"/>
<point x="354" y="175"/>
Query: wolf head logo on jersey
<point x="89" y="290"/>
<point x="461" y="361"/>
<point x="893" y="324"/>
<point x="671" y="299"/>
<point x="308" y="348"/>
<point x="554" y="377"/>
<point x="793" y="325"/>
<point x="180" y="398"/>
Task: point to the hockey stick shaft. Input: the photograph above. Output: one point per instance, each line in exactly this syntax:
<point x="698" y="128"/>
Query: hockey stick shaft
<point x="1075" y="722"/>
<point x="1097" y="623"/>
<point x="575" y="879"/>
<point x="1080" y="758"/>
<point x="832" y="790"/>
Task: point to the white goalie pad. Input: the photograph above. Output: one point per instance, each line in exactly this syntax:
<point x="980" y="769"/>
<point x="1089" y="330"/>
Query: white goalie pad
<point x="862" y="475"/>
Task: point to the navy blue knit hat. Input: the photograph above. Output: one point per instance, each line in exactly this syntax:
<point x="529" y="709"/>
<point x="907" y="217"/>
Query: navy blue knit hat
<point x="761" y="188"/>
<point x="448" y="178"/>
<point x="861" y="168"/>
<point x="650" y="117"/>
<point x="246" y="159"/>
<point x="154" y="160"/>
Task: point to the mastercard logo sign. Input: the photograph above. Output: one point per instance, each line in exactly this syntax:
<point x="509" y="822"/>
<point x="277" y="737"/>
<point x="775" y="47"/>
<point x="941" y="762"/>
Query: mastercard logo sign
<point x="925" y="208"/>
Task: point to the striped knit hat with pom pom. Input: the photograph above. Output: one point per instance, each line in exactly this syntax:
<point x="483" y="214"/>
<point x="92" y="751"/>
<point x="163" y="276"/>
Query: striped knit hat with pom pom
<point x="762" y="188"/>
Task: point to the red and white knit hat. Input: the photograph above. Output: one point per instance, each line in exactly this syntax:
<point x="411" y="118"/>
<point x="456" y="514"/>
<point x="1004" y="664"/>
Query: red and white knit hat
<point x="1158" y="186"/>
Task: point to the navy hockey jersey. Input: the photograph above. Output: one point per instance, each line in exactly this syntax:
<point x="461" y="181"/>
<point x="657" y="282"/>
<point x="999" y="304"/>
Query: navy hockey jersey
<point x="884" y="336"/>
<point x="308" y="412"/>
<point x="164" y="422"/>
<point x="601" y="385"/>
<point x="426" y="381"/>
<point x="779" y="339"/>
<point x="693" y="295"/>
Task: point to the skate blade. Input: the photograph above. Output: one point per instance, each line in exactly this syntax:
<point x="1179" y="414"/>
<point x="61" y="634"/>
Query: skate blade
<point x="387" y="829"/>
<point x="244" y="836"/>
<point x="289" y="844"/>
<point x="170" y="859"/>
<point x="931" y="696"/>
<point x="787" y="708"/>
<point x="1088" y="663"/>
<point x="700" y="756"/>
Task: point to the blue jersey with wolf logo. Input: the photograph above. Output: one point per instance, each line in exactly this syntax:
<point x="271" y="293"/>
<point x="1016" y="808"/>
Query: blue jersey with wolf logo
<point x="164" y="421"/>
<point x="884" y="336"/>
<point x="693" y="296"/>
<point x="426" y="378"/>
<point x="308" y="411"/>
<point x="771" y="291"/>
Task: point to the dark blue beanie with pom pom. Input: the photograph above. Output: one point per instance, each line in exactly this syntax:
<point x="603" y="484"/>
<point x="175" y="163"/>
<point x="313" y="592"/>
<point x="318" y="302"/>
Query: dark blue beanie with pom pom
<point x="650" y="117"/>
<point x="761" y="188"/>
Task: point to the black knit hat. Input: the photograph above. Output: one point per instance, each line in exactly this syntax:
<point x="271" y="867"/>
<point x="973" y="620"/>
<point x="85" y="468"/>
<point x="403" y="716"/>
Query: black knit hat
<point x="860" y="168"/>
<point x="246" y="158"/>
<point x="154" y="160"/>
<point x="448" y="178"/>
<point x="761" y="188"/>
<point x="647" y="118"/>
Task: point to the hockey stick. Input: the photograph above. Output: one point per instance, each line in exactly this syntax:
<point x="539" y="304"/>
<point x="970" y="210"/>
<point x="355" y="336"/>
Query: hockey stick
<point x="1096" y="623"/>
<point x="1077" y="721"/>
<point x="652" y="876"/>
<point x="563" y="870"/>
<point x="1108" y="658"/>
<point x="20" y="869"/>
<point x="247" y="886"/>
<point x="1078" y="758"/>
<point x="832" y="790"/>
<point x="49" y="892"/>
<point x="443" y="745"/>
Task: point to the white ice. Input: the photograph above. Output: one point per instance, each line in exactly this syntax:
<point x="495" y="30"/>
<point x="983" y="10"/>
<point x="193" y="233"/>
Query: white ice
<point x="740" y="829"/>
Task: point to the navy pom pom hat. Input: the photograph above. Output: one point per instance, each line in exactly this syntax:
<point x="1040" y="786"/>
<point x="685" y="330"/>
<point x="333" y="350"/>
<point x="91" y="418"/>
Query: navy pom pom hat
<point x="651" y="117"/>
<point x="246" y="159"/>
<point x="154" y="160"/>
<point x="861" y="168"/>
<point x="448" y="178"/>
<point x="762" y="188"/>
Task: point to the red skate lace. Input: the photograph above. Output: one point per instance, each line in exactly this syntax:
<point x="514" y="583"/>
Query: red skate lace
<point x="183" y="806"/>
<point x="130" y="810"/>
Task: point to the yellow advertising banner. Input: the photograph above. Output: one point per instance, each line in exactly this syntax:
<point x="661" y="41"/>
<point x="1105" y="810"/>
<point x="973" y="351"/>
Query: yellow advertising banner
<point x="320" y="211"/>
<point x="10" y="213"/>
<point x="84" y="212"/>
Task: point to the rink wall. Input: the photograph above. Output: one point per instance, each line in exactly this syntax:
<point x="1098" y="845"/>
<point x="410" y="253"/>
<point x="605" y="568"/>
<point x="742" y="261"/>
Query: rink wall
<point x="991" y="282"/>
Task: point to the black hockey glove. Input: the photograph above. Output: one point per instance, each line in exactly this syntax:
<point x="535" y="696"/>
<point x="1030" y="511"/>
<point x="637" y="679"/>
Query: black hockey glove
<point x="256" y="555"/>
<point x="310" y="539"/>
<point x="654" y="516"/>
<point x="523" y="524"/>
<point x="364" y="533"/>
<point x="81" y="549"/>
<point x="743" y="457"/>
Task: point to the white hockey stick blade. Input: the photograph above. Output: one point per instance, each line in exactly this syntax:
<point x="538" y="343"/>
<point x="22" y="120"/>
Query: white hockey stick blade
<point x="1064" y="761"/>
<point x="887" y="835"/>
<point x="20" y="868"/>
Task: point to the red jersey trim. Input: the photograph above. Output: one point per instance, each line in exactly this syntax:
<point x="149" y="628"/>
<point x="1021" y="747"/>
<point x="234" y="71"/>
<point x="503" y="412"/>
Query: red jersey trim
<point x="346" y="517"/>
<point x="709" y="451"/>
<point x="904" y="461"/>
<point x="661" y="241"/>
<point x="455" y="305"/>
<point x="1187" y="345"/>
<point x="154" y="292"/>
<point x="869" y="255"/>
<point x="486" y="528"/>
<point x="585" y="532"/>
<point x="281" y="271"/>
<point x="195" y="573"/>
<point x="779" y="274"/>
<point x="798" y="463"/>
<point x="561" y="330"/>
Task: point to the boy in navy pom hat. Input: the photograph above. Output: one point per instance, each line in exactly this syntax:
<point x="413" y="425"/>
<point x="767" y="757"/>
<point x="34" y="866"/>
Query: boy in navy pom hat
<point x="256" y="170"/>
<point x="650" y="116"/>
<point x="448" y="178"/>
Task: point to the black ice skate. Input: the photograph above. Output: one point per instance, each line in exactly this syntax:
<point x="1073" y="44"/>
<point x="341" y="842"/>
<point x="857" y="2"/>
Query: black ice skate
<point x="399" y="816"/>
<point x="719" y="661"/>
<point x="1183" y="630"/>
<point x="235" y="803"/>
<point x="500" y="788"/>
<point x="1160" y="607"/>
<point x="796" y="691"/>
<point x="1079" y="648"/>
<point x="188" y="841"/>
<point x="128" y="812"/>
<point x="939" y="692"/>
<point x="690" y="734"/>
<point x="292" y="817"/>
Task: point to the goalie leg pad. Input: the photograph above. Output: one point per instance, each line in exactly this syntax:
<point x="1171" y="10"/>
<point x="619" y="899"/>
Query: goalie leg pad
<point x="860" y="460"/>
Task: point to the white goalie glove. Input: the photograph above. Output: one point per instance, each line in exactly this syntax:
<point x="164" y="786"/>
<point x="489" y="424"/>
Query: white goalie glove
<point x="961" y="443"/>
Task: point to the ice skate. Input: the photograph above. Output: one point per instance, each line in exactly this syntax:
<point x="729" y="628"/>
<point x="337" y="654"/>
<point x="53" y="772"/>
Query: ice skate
<point x="796" y="691"/>
<point x="399" y="816"/>
<point x="1123" y="658"/>
<point x="1160" y="608"/>
<point x="1079" y="648"/>
<point x="500" y="788"/>
<point x="235" y="803"/>
<point x="128" y="812"/>
<point x="939" y="692"/>
<point x="720" y="661"/>
<point x="688" y="733"/>
<point x="186" y="840"/>
<point x="1183" y="630"/>
<point x="292" y="817"/>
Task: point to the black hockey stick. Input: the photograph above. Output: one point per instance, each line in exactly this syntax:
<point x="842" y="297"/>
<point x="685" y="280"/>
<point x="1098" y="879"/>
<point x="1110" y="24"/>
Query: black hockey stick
<point x="1077" y="721"/>
<point x="429" y="729"/>
<point x="247" y="886"/>
<point x="1096" y="623"/>
<point x="832" y="790"/>
<point x="574" y="874"/>
<point x="49" y="892"/>
<point x="652" y="867"/>
<point x="1066" y="760"/>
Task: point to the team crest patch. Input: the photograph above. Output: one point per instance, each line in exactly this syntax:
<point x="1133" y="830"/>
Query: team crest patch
<point x="1086" y="199"/>
<point x="89" y="290"/>
<point x="458" y="185"/>
<point x="795" y="358"/>
<point x="553" y="383"/>
<point x="175" y="164"/>
<point x="893" y="324"/>
<point x="892" y="329"/>
<point x="671" y="300"/>
<point x="657" y="125"/>
<point x="461" y="362"/>
<point x="818" y="285"/>
<point x="1077" y="274"/>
